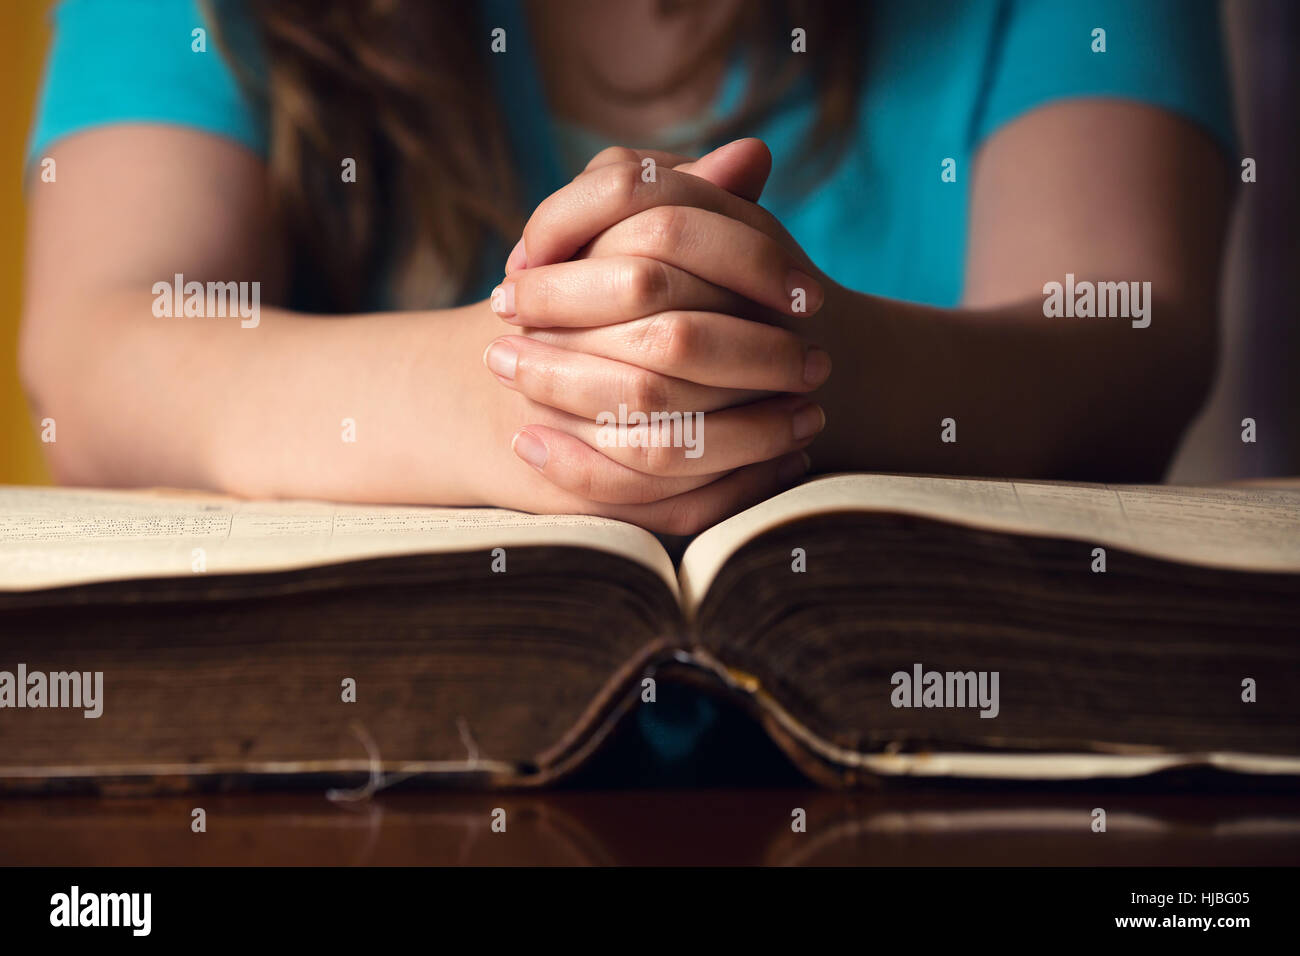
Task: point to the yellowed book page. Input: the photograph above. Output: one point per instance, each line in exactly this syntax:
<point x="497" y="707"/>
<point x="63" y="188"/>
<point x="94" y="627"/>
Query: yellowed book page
<point x="1254" y="528"/>
<point x="1067" y="766"/>
<point x="60" y="536"/>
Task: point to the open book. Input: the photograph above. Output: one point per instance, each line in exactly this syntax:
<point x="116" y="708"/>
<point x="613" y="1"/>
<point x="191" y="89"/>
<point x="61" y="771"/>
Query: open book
<point x="874" y="624"/>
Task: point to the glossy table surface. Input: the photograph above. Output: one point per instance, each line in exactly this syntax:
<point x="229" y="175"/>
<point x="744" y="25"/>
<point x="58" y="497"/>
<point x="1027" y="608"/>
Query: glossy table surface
<point x="732" y="802"/>
<point x="893" y="827"/>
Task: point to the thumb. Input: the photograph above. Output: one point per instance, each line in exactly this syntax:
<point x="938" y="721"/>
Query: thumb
<point x="741" y="167"/>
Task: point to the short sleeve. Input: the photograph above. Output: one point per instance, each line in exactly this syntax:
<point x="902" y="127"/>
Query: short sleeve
<point x="1165" y="53"/>
<point x="112" y="62"/>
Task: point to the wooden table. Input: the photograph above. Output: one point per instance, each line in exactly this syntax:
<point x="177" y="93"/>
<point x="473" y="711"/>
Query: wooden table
<point x="898" y="826"/>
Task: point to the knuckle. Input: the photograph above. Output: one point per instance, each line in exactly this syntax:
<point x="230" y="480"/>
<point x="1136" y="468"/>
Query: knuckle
<point x="647" y="391"/>
<point x="682" y="517"/>
<point x="666" y="340"/>
<point x="658" y="458"/>
<point x="612" y="154"/>
<point x="662" y="228"/>
<point x="670" y="338"/>
<point x="617" y="183"/>
<point x="643" y="283"/>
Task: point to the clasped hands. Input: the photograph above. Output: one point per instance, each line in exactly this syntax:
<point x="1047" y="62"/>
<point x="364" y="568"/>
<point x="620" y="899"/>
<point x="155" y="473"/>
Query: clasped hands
<point x="656" y="284"/>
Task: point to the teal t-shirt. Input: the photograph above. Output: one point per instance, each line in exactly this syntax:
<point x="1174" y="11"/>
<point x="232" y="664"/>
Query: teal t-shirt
<point x="940" y="78"/>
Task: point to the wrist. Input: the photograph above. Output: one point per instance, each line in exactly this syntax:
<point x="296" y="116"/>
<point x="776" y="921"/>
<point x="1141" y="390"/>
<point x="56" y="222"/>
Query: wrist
<point x="480" y="414"/>
<point x="851" y="327"/>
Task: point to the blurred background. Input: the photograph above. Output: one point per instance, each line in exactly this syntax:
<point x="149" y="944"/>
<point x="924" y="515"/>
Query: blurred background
<point x="1259" y="375"/>
<point x="23" y="37"/>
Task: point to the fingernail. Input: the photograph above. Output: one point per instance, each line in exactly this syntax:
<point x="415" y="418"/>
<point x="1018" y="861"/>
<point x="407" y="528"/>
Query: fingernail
<point x="816" y="364"/>
<point x="804" y="293"/>
<point x="502" y="359"/>
<point x="793" y="468"/>
<point x="530" y="448"/>
<point x="808" y="421"/>
<point x="503" y="300"/>
<point x="518" y="257"/>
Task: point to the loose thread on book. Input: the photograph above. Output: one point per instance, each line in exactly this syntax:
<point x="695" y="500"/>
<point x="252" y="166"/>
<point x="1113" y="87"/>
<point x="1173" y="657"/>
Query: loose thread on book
<point x="381" y="781"/>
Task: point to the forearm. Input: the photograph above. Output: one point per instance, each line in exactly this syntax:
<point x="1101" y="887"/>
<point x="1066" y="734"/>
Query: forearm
<point x="363" y="408"/>
<point x="1031" y="396"/>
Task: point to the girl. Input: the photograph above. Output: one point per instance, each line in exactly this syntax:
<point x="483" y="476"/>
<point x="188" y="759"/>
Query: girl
<point x="936" y="167"/>
<point x="376" y="167"/>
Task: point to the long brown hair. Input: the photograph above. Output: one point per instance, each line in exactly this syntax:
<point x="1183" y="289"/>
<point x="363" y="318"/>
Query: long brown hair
<point x="399" y="88"/>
